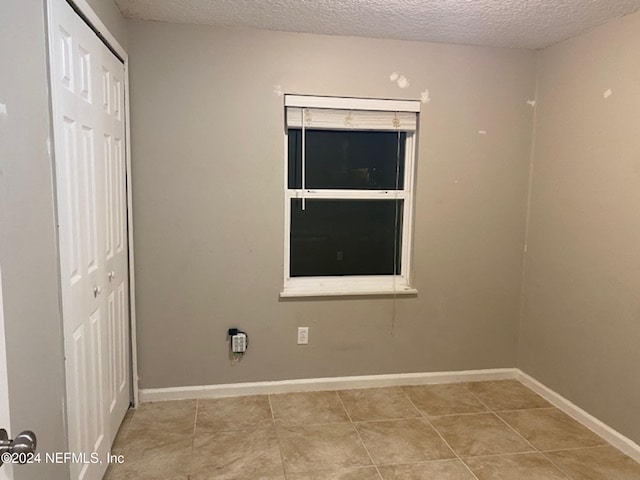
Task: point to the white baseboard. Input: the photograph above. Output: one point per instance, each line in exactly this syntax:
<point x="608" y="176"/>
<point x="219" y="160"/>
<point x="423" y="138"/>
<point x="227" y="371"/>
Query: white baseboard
<point x="615" y="438"/>
<point x="319" y="384"/>
<point x="622" y="443"/>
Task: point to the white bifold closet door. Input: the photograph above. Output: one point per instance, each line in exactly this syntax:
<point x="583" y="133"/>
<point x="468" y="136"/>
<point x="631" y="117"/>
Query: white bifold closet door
<point x="87" y="83"/>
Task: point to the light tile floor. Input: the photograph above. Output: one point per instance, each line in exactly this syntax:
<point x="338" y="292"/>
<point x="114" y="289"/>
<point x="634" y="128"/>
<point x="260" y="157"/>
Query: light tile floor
<point x="473" y="431"/>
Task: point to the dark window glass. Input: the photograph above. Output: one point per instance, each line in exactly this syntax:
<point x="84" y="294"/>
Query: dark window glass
<point x="346" y="159"/>
<point x="345" y="237"/>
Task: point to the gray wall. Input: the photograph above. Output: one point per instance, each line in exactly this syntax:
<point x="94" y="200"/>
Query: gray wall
<point x="207" y="131"/>
<point x="28" y="252"/>
<point x="110" y="15"/>
<point x="209" y="220"/>
<point x="580" y="331"/>
<point x="28" y="249"/>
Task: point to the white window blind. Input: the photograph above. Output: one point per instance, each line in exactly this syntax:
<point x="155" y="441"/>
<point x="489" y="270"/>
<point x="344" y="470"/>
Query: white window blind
<point x="335" y="113"/>
<point x="333" y="119"/>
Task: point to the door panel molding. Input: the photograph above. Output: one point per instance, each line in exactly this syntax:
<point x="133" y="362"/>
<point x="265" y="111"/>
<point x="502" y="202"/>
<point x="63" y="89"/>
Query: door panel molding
<point x="94" y="21"/>
<point x="89" y="94"/>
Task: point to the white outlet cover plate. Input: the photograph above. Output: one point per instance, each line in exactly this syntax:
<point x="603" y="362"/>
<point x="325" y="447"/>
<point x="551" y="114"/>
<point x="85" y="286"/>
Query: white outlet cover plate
<point x="303" y="335"/>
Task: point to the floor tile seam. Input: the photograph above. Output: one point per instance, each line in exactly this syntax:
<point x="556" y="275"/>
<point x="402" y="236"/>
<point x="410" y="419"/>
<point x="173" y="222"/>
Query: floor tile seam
<point x="365" y="421"/>
<point x="506" y="454"/>
<point x="195" y="420"/>
<point x="510" y="427"/>
<point x="545" y="450"/>
<point x="193" y="442"/>
<point x="406" y="395"/>
<point x="297" y="425"/>
<point x="401" y="419"/>
<point x="328" y="470"/>
<point x="359" y="436"/>
<point x="443" y="439"/>
<point x="555" y="464"/>
<point x="273" y="413"/>
<point x="159" y="428"/>
<point x="604" y="442"/>
<point x="599" y="445"/>
<point x="516" y="432"/>
<point x="514" y="410"/>
<point x="493" y="412"/>
<point x="478" y="399"/>
<point x="592" y="447"/>
<point x="256" y="425"/>
<point x="421" y="462"/>
<point x="275" y="428"/>
<point x="467" y="414"/>
<point x="538" y="453"/>
<point x="464" y="385"/>
<point x="536" y="450"/>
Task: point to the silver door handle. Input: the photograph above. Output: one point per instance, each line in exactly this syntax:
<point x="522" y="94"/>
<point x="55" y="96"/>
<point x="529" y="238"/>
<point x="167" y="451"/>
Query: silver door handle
<point x="111" y="275"/>
<point x="96" y="291"/>
<point x="21" y="447"/>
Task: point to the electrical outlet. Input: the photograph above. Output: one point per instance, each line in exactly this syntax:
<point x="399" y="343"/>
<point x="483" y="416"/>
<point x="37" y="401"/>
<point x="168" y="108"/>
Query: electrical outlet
<point x="303" y="335"/>
<point x="239" y="343"/>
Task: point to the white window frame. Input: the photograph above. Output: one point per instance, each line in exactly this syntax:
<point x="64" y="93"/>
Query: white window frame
<point x="352" y="284"/>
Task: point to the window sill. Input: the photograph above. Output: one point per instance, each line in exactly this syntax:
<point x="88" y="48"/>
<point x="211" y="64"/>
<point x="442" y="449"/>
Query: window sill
<point x="306" y="291"/>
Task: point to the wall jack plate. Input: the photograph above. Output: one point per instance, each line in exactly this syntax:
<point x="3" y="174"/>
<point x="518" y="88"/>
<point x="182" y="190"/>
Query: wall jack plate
<point x="303" y="335"/>
<point x="239" y="343"/>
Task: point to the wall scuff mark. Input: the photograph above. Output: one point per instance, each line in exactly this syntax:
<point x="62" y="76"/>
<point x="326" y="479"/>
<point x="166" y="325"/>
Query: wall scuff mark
<point x="425" y="96"/>
<point x="607" y="93"/>
<point x="3" y="118"/>
<point x="403" y="82"/>
<point x="277" y="89"/>
<point x="482" y="132"/>
<point x="531" y="103"/>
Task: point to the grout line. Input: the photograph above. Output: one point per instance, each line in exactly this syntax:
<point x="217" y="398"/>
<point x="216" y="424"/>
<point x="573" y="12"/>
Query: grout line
<point x="273" y="419"/>
<point x="273" y="414"/>
<point x="468" y="414"/>
<point x="425" y="419"/>
<point x="195" y="420"/>
<point x="525" y="409"/>
<point x="497" y="455"/>
<point x="420" y="462"/>
<point x="535" y="449"/>
<point x="359" y="436"/>
<point x="193" y="440"/>
<point x="578" y="448"/>
<point x="555" y="465"/>
<point x="309" y="424"/>
<point x="508" y="426"/>
<point x="419" y="417"/>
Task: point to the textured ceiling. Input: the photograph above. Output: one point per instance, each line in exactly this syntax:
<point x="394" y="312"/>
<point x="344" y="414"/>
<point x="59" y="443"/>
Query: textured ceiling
<point x="504" y="23"/>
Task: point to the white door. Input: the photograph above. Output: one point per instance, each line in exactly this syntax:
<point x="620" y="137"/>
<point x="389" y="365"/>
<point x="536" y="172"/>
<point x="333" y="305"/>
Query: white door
<point x="87" y="83"/>
<point x="113" y="227"/>
<point x="5" y="470"/>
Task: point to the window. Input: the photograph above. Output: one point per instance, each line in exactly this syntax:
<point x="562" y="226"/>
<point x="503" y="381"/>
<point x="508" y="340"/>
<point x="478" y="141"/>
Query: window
<point x="348" y="195"/>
